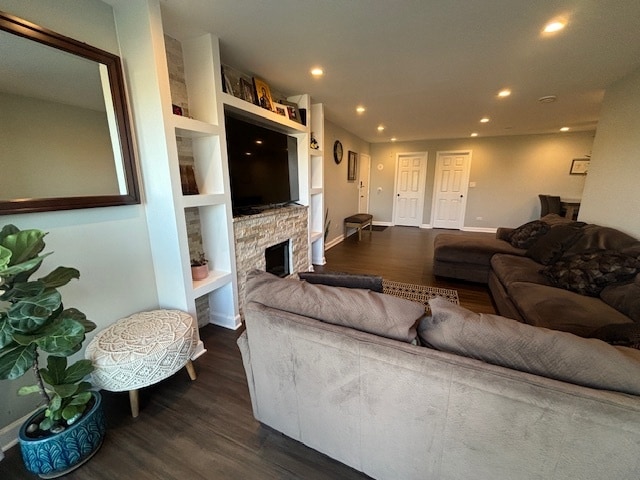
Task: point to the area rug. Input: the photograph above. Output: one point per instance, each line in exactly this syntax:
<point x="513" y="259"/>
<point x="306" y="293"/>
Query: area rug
<point x="419" y="293"/>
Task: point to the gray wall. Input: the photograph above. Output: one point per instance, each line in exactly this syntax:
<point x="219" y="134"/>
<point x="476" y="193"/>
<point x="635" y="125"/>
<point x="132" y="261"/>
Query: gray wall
<point x="509" y="173"/>
<point x="341" y="196"/>
<point x="110" y="246"/>
<point x="611" y="192"/>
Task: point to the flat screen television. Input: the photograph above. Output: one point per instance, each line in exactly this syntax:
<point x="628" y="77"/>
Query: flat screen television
<point x="263" y="166"/>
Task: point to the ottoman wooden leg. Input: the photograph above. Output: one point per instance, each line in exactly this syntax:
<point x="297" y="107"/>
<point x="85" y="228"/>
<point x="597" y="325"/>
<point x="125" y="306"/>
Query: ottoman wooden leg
<point x="191" y="370"/>
<point x="135" y="404"/>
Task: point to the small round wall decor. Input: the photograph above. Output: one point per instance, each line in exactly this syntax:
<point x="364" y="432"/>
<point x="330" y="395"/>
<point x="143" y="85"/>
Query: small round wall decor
<point x="337" y="151"/>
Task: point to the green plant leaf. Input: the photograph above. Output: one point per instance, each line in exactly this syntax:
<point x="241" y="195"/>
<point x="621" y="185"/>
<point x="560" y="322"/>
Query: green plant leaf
<point x="54" y="374"/>
<point x="46" y="424"/>
<point x="28" y="390"/>
<point x="31" y="313"/>
<point x="61" y="338"/>
<point x="23" y="290"/>
<point x="24" y="245"/>
<point x="79" y="317"/>
<point x="7" y="230"/>
<point x="59" y="277"/>
<point x="71" y="411"/>
<point x="29" y="266"/>
<point x="6" y="331"/>
<point x="65" y="390"/>
<point x="78" y="371"/>
<point x="5" y="258"/>
<point x="54" y="404"/>
<point x="14" y="362"/>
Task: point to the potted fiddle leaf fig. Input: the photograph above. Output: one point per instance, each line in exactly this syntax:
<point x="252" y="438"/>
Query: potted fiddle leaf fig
<point x="34" y="323"/>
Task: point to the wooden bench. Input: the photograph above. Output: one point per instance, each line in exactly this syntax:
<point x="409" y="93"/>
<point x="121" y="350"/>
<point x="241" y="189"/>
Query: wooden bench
<point x="359" y="221"/>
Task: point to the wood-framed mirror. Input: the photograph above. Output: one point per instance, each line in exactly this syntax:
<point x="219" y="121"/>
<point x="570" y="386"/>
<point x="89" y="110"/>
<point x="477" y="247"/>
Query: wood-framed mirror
<point x="65" y="134"/>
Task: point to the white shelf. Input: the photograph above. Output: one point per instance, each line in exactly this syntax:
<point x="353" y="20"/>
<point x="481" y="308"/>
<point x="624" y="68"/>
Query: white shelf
<point x="203" y="200"/>
<point x="264" y="116"/>
<point x="189" y="127"/>
<point x="315" y="152"/>
<point x="215" y="280"/>
<point x="316" y="191"/>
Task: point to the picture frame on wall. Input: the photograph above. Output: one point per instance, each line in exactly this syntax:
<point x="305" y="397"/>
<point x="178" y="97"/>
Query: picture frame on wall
<point x="352" y="166"/>
<point x="579" y="166"/>
<point x="263" y="94"/>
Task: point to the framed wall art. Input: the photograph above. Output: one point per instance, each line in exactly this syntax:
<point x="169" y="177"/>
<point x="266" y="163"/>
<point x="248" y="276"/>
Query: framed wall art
<point x="579" y="166"/>
<point x="352" y="166"/>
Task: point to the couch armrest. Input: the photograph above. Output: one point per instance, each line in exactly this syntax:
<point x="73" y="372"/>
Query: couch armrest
<point x="503" y="233"/>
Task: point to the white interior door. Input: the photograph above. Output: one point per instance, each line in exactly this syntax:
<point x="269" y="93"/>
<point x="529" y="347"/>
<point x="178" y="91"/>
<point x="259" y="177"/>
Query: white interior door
<point x="450" y="189"/>
<point x="363" y="183"/>
<point x="410" y="178"/>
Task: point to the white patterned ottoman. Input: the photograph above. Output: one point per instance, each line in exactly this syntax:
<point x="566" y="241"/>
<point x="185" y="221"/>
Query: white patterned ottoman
<point x="141" y="350"/>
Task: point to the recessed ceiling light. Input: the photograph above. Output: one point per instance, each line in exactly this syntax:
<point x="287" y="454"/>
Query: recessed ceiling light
<point x="484" y="120"/>
<point x="360" y="109"/>
<point x="548" y="99"/>
<point x="504" y="93"/>
<point x="380" y="128"/>
<point x="393" y="139"/>
<point x="564" y="129"/>
<point x="259" y="142"/>
<point x="554" y="26"/>
<point x="317" y="72"/>
<point x="474" y="134"/>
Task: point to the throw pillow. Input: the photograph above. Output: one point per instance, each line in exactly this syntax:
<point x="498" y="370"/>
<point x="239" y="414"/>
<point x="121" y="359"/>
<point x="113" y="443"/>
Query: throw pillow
<point x="589" y="273"/>
<point x="347" y="280"/>
<point x="623" y="335"/>
<point x="363" y="310"/>
<point x="540" y="351"/>
<point x="549" y="247"/>
<point x="625" y="298"/>
<point x="526" y="235"/>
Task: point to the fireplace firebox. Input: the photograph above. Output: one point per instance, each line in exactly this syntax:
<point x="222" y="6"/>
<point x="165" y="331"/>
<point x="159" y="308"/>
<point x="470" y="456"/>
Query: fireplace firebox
<point x="278" y="259"/>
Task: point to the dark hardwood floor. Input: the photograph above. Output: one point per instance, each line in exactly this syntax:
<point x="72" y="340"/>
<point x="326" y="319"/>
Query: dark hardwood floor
<point x="205" y="429"/>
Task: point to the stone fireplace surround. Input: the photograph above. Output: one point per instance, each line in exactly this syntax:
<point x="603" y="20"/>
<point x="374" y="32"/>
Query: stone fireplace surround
<point x="254" y="233"/>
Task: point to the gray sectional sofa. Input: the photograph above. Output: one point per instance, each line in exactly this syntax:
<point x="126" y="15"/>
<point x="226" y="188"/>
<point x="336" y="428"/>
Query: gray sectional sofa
<point x="569" y="276"/>
<point x="486" y="397"/>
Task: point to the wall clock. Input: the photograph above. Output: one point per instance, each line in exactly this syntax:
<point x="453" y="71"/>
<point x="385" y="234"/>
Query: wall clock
<point x="337" y="151"/>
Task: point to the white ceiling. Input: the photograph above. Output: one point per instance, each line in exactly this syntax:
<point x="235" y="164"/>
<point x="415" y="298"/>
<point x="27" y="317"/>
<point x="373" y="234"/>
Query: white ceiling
<point x="428" y="69"/>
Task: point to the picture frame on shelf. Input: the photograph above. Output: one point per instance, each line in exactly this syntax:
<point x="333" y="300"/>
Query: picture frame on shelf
<point x="280" y="109"/>
<point x="188" y="180"/>
<point x="579" y="166"/>
<point x="248" y="92"/>
<point x="263" y="94"/>
<point x="352" y="166"/>
<point x="293" y="113"/>
<point x="227" y="85"/>
<point x="177" y="110"/>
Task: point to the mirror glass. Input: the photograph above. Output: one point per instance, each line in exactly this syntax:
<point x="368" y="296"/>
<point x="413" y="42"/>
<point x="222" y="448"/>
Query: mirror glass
<point x="65" y="139"/>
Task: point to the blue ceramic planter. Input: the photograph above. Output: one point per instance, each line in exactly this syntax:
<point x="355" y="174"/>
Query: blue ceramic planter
<point x="61" y="453"/>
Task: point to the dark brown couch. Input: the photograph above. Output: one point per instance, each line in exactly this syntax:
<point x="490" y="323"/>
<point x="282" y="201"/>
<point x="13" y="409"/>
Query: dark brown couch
<point x="572" y="276"/>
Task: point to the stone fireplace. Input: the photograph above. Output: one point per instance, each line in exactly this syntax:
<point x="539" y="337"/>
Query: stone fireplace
<point x="254" y="234"/>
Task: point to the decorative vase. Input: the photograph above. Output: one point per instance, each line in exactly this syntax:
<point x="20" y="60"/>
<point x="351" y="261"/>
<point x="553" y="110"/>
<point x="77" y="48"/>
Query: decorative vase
<point x="200" y="272"/>
<point x="61" y="453"/>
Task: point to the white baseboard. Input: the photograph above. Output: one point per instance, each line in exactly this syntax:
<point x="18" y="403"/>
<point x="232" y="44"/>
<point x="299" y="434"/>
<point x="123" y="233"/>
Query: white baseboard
<point x="9" y="434"/>
<point x="383" y="224"/>
<point x="334" y="242"/>
<point x="426" y="225"/>
<point x="226" y="322"/>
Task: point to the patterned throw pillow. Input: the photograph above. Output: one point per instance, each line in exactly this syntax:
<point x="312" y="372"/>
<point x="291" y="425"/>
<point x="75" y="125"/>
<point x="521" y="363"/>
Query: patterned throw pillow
<point x="589" y="273"/>
<point x="526" y="235"/>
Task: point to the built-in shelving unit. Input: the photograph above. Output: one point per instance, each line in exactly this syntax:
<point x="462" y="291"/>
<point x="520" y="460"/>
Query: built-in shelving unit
<point x="163" y="138"/>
